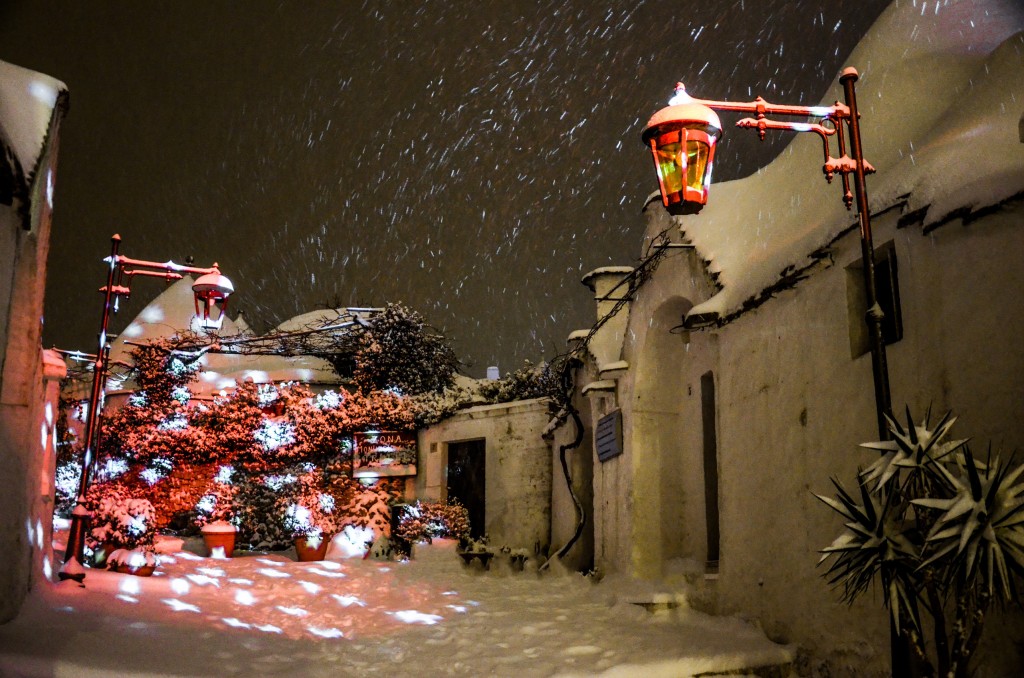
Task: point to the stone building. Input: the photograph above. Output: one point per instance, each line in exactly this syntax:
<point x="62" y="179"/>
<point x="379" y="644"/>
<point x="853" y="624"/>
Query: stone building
<point x="32" y="106"/>
<point x="738" y="375"/>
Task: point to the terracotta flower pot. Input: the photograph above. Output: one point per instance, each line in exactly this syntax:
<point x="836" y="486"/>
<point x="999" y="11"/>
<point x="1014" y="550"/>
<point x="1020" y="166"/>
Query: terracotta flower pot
<point x="219" y="537"/>
<point x="140" y="571"/>
<point x="310" y="549"/>
<point x="138" y="563"/>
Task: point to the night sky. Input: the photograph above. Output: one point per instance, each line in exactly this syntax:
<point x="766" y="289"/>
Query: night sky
<point x="470" y="159"/>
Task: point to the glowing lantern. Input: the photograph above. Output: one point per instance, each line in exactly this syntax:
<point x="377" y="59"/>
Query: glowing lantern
<point x="682" y="139"/>
<point x="212" y="291"/>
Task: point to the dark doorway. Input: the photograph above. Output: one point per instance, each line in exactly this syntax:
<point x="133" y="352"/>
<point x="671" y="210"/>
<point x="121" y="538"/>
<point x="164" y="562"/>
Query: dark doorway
<point x="467" y="464"/>
<point x="707" y="402"/>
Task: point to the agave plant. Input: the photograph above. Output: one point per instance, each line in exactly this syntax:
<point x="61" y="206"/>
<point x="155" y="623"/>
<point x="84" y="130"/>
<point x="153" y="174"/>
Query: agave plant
<point x="943" y="532"/>
<point x="873" y="544"/>
<point x="914" y="448"/>
<point x="981" y="529"/>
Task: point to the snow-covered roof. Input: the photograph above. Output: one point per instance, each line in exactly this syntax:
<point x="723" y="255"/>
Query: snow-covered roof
<point x="170" y="313"/>
<point x="27" y="100"/>
<point x="940" y="95"/>
<point x="173" y="311"/>
<point x="325" y="316"/>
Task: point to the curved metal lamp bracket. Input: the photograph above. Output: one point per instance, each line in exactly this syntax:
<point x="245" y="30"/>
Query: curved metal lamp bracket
<point x="831" y="125"/>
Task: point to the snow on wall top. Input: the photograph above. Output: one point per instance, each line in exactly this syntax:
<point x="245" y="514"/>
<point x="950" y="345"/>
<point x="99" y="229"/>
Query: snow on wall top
<point x="940" y="94"/>
<point x="27" y="100"/>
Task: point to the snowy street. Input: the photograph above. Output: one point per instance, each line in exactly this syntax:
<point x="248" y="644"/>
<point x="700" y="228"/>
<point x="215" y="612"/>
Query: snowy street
<point x="431" y="616"/>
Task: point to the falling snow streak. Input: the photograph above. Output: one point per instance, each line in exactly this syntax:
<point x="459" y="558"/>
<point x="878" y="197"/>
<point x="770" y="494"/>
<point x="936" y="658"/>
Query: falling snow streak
<point x="470" y="164"/>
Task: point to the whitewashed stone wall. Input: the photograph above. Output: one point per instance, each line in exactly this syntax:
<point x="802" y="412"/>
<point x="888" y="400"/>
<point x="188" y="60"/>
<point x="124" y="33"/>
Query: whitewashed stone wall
<point x="25" y="434"/>
<point x="518" y="468"/>
<point x="791" y="407"/>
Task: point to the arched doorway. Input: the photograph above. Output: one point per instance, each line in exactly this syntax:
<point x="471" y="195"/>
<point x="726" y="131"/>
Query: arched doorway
<point x="673" y="396"/>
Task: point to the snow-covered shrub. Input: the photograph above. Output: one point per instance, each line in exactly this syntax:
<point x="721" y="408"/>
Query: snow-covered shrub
<point x="119" y="518"/>
<point x="160" y="373"/>
<point x="257" y="515"/>
<point x="529" y="381"/>
<point x="432" y="407"/>
<point x="424" y="521"/>
<point x="370" y="507"/>
<point x="167" y="447"/>
<point x="308" y="509"/>
<point x="941" y="530"/>
<point x="234" y="419"/>
<point x="69" y="473"/>
<point x="218" y="503"/>
<point x="400" y="351"/>
<point x="475" y="545"/>
<point x="137" y="560"/>
<point x="69" y="461"/>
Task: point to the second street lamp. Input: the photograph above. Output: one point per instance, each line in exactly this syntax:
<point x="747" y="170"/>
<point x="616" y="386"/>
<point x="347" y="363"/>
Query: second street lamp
<point x="210" y="289"/>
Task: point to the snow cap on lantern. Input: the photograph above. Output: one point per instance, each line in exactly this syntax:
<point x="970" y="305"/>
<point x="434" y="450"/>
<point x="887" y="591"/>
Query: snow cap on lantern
<point x="682" y="139"/>
<point x="212" y="290"/>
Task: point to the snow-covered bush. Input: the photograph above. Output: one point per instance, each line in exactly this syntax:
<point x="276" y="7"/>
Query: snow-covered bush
<point x="424" y="521"/>
<point x="432" y="407"/>
<point x="941" y="530"/>
<point x="135" y="561"/>
<point x="307" y="509"/>
<point x="529" y="381"/>
<point x="400" y="351"/>
<point x="369" y="506"/>
<point x="119" y="518"/>
<point x="69" y="473"/>
<point x="259" y="521"/>
<point x="167" y="447"/>
<point x="218" y="503"/>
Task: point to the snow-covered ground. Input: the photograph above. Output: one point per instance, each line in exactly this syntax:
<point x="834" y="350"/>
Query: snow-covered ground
<point x="430" y="616"/>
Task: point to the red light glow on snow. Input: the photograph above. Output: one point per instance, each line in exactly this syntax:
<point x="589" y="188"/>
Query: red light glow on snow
<point x="329" y="599"/>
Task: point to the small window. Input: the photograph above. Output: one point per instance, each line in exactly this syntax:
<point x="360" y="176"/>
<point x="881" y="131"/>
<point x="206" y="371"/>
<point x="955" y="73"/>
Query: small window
<point x="887" y="289"/>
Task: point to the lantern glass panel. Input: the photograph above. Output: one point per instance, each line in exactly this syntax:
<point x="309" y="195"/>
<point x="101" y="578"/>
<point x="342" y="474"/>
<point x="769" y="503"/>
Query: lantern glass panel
<point x="697" y="153"/>
<point x="668" y="167"/>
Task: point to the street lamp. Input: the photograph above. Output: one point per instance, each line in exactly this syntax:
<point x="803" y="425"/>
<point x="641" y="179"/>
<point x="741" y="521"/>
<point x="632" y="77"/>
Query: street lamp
<point x="675" y="135"/>
<point x="682" y="139"/>
<point x="211" y="292"/>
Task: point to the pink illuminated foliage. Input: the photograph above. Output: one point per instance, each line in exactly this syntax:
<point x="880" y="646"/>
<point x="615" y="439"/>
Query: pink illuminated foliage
<point x="240" y="456"/>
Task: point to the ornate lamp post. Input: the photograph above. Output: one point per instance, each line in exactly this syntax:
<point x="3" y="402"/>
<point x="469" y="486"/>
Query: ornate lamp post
<point x="211" y="291"/>
<point x="682" y="138"/>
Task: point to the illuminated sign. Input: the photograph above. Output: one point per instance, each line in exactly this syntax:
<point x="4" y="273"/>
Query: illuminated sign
<point x="384" y="453"/>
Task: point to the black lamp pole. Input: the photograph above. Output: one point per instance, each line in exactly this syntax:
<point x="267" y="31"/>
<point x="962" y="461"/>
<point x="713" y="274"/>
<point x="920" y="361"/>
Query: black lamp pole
<point x="874" y="316"/>
<point x="216" y="287"/>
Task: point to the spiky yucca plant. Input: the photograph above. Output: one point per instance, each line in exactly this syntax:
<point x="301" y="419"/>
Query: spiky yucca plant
<point x="943" y="531"/>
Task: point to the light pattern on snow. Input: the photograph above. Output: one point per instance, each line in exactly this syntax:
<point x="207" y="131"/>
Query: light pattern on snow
<point x="112" y="468"/>
<point x="328" y="400"/>
<point x="224" y="474"/>
<point x="432" y="612"/>
<point x="275" y="434"/>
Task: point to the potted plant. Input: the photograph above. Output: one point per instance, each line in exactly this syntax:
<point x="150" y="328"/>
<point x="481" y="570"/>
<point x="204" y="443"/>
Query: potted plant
<point x="141" y="563"/>
<point x="310" y="516"/>
<point x="120" y="522"/>
<point x="470" y="549"/>
<point x="215" y="512"/>
<point x="426" y="521"/>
